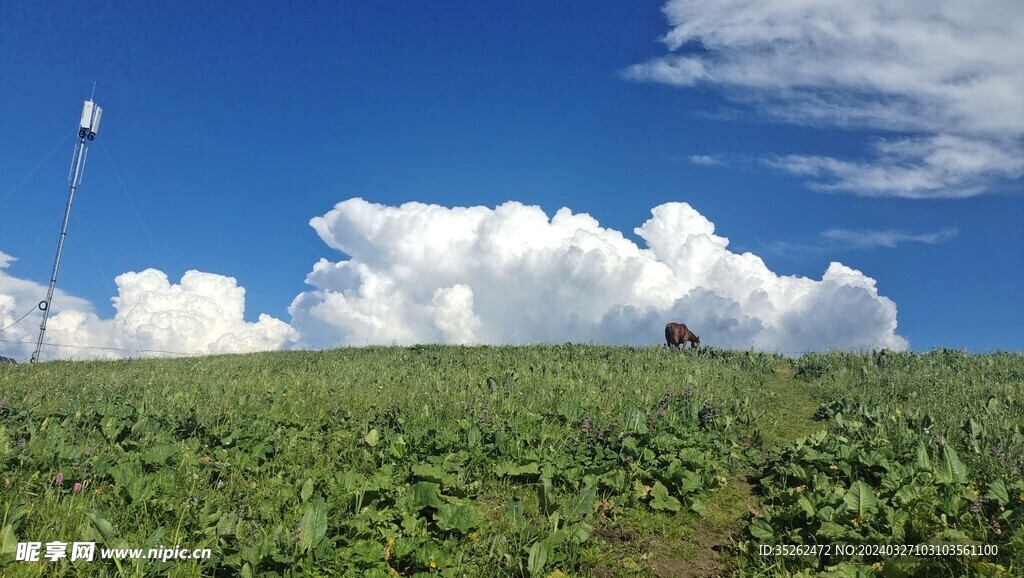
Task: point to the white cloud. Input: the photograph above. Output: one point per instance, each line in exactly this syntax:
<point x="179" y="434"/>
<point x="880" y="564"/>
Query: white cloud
<point x="706" y="160"/>
<point x="948" y="70"/>
<point x="203" y="314"/>
<point x="941" y="166"/>
<point x="426" y="273"/>
<point x="889" y="238"/>
<point x="19" y="300"/>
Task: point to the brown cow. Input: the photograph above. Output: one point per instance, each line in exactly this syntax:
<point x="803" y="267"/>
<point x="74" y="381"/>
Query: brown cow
<point x="677" y="334"/>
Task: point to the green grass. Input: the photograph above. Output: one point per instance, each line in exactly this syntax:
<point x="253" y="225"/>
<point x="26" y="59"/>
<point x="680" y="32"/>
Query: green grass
<point x="479" y="461"/>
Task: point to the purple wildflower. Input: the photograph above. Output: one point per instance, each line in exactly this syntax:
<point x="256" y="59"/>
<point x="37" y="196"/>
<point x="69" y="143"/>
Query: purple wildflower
<point x="60" y="479"/>
<point x="977" y="505"/>
<point x="78" y="487"/>
<point x="585" y="427"/>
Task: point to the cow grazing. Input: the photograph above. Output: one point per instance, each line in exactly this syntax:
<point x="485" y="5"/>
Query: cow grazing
<point x="677" y="334"/>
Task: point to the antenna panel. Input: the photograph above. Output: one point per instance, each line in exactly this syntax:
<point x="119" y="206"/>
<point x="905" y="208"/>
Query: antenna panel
<point x="97" y="114"/>
<point x="87" y="115"/>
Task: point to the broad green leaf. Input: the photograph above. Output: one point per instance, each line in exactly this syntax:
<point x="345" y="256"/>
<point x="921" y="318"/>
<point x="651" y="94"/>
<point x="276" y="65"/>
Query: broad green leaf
<point x="833" y="531"/>
<point x="432" y="473"/>
<point x="581" y="509"/>
<point x="8" y="541"/>
<point x="898" y="520"/>
<point x="372" y="438"/>
<point x="313" y="525"/>
<point x="949" y="468"/>
<point x="227" y="524"/>
<point x="473" y="437"/>
<point x="692" y="457"/>
<point x="538" y="558"/>
<point x="860" y="500"/>
<point x="924" y="461"/>
<point x="5" y="442"/>
<point x="101" y="524"/>
<point x="580" y="532"/>
<point x="805" y="504"/>
<point x="762" y="530"/>
<point x="159" y="455"/>
<point x="512" y="469"/>
<point x="367" y="552"/>
<point x="973" y="428"/>
<point x="515" y="508"/>
<point x="661" y="500"/>
<point x="699" y="507"/>
<point x="546" y="497"/>
<point x="997" y="491"/>
<point x="826" y="514"/>
<point x="690" y="483"/>
<point x="397" y="447"/>
<point x="426" y="494"/>
<point x="307" y="490"/>
<point x="457" y="516"/>
<point x="637" y="422"/>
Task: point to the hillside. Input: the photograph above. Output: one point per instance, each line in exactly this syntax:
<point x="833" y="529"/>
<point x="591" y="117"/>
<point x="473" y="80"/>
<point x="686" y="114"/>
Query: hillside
<point x="554" y="460"/>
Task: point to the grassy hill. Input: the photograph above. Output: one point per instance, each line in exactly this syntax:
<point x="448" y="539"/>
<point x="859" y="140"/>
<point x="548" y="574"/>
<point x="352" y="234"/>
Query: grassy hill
<point x="554" y="460"/>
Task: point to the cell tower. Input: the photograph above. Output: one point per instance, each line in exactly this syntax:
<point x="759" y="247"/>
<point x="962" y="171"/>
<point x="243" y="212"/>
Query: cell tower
<point x="88" y="127"/>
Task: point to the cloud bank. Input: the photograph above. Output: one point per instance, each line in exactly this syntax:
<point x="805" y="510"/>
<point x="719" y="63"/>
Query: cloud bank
<point x="427" y="273"/>
<point x="419" y="273"/>
<point x="949" y="74"/>
<point x="203" y="314"/>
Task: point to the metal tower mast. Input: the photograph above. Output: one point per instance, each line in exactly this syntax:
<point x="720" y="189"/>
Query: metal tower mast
<point x="91" y="113"/>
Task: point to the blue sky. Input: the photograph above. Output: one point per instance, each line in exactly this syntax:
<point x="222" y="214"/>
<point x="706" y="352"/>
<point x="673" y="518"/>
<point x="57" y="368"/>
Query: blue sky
<point x="228" y="127"/>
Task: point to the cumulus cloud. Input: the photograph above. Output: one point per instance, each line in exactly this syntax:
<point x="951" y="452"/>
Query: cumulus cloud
<point x="203" y="314"/>
<point x="427" y="273"/>
<point x="949" y="70"/>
